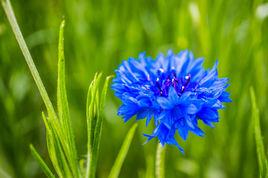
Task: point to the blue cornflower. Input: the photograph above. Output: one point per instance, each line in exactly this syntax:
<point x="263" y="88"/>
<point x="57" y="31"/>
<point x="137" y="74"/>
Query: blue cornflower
<point x="175" y="90"/>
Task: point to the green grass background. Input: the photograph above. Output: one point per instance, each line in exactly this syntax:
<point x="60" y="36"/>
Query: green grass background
<point x="99" y="35"/>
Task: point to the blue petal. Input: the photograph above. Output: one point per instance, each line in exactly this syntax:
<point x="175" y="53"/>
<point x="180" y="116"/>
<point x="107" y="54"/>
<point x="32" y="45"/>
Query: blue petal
<point x="164" y="103"/>
<point x="210" y="77"/>
<point x="198" y="132"/>
<point x="159" y="90"/>
<point x="142" y="114"/>
<point x="192" y="109"/>
<point x="225" y="97"/>
<point x="208" y="115"/>
<point x="172" y="141"/>
<point x="183" y="132"/>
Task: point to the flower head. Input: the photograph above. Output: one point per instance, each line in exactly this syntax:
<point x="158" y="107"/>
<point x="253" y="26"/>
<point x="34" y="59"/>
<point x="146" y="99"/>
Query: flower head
<point x="175" y="90"/>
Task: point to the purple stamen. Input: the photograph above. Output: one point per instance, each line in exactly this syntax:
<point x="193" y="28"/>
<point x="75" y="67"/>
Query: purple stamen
<point x="164" y="81"/>
<point x="187" y="78"/>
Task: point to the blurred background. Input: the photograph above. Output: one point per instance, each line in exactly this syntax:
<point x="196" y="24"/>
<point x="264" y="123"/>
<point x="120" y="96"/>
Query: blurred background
<point x="99" y="34"/>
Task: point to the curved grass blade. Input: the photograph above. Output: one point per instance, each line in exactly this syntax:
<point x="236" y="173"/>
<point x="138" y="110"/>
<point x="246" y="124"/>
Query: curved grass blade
<point x="262" y="159"/>
<point x="27" y="55"/>
<point x="122" y="153"/>
<point x="41" y="162"/>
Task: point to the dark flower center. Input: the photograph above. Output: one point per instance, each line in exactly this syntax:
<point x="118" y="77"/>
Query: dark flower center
<point x="165" y="80"/>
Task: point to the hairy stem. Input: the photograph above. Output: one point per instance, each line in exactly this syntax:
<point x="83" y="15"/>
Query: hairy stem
<point x="160" y="161"/>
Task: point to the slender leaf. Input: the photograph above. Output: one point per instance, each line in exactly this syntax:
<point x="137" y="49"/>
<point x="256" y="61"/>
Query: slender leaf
<point x="104" y="91"/>
<point x="27" y="55"/>
<point x="51" y="147"/>
<point x="122" y="153"/>
<point x="62" y="103"/>
<point x="41" y="162"/>
<point x="94" y="122"/>
<point x="262" y="159"/>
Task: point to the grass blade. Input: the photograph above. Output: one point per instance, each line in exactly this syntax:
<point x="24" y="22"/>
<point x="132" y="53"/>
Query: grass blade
<point x="262" y="160"/>
<point x="122" y="153"/>
<point x="27" y="55"/>
<point x="104" y="91"/>
<point x="62" y="103"/>
<point x="93" y="109"/>
<point x="52" y="146"/>
<point x="95" y="104"/>
<point x="98" y="128"/>
<point x="41" y="162"/>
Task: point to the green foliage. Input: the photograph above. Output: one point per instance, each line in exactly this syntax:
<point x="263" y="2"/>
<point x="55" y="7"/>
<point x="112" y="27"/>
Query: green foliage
<point x="160" y="161"/>
<point x="122" y="153"/>
<point x="41" y="162"/>
<point x="99" y="34"/>
<point x="62" y="102"/>
<point x="60" y="150"/>
<point x="262" y="160"/>
<point x="59" y="133"/>
<point x="28" y="58"/>
<point x="95" y="104"/>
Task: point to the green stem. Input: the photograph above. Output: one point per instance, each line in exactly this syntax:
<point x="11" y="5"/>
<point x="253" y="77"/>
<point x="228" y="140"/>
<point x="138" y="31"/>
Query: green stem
<point x="160" y="161"/>
<point x="29" y="60"/>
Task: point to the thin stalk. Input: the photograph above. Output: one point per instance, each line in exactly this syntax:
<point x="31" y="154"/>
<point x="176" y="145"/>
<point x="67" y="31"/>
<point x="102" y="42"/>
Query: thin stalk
<point x="160" y="161"/>
<point x="29" y="60"/>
